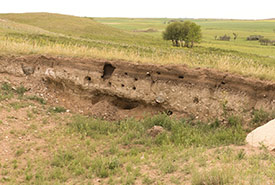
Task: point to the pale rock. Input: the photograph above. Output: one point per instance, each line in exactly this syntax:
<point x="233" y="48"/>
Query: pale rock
<point x="155" y="130"/>
<point x="263" y="135"/>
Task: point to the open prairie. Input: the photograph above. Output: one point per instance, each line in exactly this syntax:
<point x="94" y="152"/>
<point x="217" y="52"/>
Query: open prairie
<point x="125" y="39"/>
<point x="108" y="101"/>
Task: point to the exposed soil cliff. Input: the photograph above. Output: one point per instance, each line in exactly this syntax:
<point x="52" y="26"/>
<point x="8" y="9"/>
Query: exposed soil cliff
<point x="116" y="89"/>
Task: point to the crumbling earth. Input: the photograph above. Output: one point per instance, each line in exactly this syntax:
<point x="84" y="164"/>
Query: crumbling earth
<point x="116" y="89"/>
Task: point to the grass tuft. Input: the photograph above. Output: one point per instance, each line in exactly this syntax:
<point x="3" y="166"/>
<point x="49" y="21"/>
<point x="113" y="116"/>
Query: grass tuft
<point x="38" y="99"/>
<point x="57" y="109"/>
<point x="212" y="177"/>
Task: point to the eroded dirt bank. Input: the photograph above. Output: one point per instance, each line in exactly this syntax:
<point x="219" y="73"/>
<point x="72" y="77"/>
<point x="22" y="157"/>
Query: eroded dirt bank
<point x="115" y="89"/>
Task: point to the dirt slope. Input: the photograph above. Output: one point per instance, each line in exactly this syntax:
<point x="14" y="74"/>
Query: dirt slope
<point x="117" y="89"/>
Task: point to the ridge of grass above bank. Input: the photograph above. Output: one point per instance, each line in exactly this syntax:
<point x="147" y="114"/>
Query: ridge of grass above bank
<point x="55" y="34"/>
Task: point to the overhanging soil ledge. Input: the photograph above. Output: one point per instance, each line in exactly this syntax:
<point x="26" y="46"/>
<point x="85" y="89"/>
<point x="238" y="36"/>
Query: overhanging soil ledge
<point x="116" y="89"/>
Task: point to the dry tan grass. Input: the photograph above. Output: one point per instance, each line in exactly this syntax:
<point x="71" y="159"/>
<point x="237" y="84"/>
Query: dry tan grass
<point x="243" y="66"/>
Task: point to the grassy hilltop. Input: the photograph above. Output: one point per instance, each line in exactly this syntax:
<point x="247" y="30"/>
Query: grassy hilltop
<point x="130" y="40"/>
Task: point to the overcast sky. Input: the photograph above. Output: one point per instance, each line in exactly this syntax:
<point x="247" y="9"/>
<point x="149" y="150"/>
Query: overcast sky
<point x="235" y="9"/>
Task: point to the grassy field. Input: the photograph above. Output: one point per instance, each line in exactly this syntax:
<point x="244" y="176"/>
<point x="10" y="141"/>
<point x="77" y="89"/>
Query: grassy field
<point x="210" y="29"/>
<point x="46" y="144"/>
<point x="125" y="39"/>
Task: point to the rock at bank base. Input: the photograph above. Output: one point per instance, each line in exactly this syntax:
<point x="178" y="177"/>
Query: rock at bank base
<point x="263" y="135"/>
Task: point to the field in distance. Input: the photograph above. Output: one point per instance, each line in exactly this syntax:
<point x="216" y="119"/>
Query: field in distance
<point x="210" y="29"/>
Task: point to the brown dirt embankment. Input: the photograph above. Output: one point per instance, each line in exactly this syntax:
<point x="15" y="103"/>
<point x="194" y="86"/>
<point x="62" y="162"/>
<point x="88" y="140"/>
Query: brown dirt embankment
<point x="116" y="89"/>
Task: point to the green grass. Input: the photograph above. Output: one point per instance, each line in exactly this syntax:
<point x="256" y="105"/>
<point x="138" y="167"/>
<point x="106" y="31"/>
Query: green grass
<point x="113" y="39"/>
<point x="47" y="147"/>
<point x="259" y="117"/>
<point x="37" y="99"/>
<point x="19" y="105"/>
<point x="53" y="148"/>
<point x="212" y="177"/>
<point x="6" y="92"/>
<point x="76" y="149"/>
<point x="90" y="150"/>
<point x="210" y="28"/>
<point x="57" y="109"/>
<point x="66" y="25"/>
<point x="179" y="132"/>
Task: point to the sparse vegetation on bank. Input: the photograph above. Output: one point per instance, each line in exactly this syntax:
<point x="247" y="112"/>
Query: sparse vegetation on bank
<point x="58" y="147"/>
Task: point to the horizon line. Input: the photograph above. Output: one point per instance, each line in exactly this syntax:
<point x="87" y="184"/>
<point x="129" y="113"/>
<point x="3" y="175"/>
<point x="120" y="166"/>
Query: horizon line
<point x="137" y="17"/>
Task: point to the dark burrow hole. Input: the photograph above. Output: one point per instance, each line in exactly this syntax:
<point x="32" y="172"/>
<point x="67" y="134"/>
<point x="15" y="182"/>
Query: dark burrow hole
<point x="122" y="85"/>
<point x="181" y="76"/>
<point x="222" y="82"/>
<point x="125" y="104"/>
<point x="108" y="70"/>
<point x="148" y="74"/>
<point x="169" y="112"/>
<point x="158" y="72"/>
<point x="136" y="79"/>
<point x="110" y="83"/>
<point x="126" y="73"/>
<point x="134" y="88"/>
<point x="87" y="78"/>
<point x="196" y="100"/>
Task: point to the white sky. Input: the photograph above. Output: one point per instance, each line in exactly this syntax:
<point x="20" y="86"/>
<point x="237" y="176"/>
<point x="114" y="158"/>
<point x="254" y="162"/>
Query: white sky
<point x="235" y="9"/>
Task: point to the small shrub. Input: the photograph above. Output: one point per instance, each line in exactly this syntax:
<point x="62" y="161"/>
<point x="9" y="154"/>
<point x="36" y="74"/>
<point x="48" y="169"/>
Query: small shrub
<point x="104" y="167"/>
<point x="130" y="179"/>
<point x="19" y="152"/>
<point x="234" y="121"/>
<point x="21" y="90"/>
<point x="28" y="176"/>
<point x="215" y="124"/>
<point x="19" y="105"/>
<point x="57" y="109"/>
<point x="241" y="154"/>
<point x="168" y="167"/>
<point x="6" y="92"/>
<point x="259" y="116"/>
<point x="159" y="120"/>
<point x="58" y="173"/>
<point x="6" y="87"/>
<point x="62" y="159"/>
<point x="161" y="139"/>
<point x="38" y="99"/>
<point x="147" y="180"/>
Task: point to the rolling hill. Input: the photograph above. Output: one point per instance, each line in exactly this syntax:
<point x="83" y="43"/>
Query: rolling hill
<point x="67" y="25"/>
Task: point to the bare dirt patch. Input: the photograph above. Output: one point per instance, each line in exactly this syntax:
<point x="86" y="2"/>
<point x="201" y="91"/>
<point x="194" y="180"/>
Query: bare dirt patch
<point x="149" y="30"/>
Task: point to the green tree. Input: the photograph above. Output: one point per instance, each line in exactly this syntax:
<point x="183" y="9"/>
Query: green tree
<point x="174" y="32"/>
<point x="188" y="31"/>
<point x="193" y="34"/>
